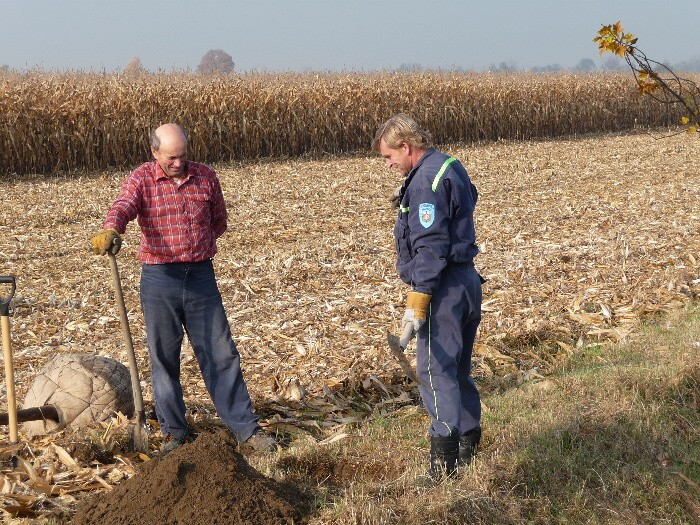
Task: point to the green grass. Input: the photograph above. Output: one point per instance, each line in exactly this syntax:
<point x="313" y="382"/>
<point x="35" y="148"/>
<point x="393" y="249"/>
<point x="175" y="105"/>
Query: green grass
<point x="611" y="437"/>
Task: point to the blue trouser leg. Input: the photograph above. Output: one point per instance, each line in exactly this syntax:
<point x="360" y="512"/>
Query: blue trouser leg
<point x="444" y="351"/>
<point x="163" y="312"/>
<point x="219" y="360"/>
<point x="184" y="297"/>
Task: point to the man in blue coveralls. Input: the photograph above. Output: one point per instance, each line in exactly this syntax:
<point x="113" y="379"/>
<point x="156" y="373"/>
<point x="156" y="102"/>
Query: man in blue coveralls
<point x="436" y="246"/>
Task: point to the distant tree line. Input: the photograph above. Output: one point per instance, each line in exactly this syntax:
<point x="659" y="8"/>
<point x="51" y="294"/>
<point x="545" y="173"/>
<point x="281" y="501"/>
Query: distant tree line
<point x="214" y="62"/>
<point x="219" y="62"/>
<point x="585" y="65"/>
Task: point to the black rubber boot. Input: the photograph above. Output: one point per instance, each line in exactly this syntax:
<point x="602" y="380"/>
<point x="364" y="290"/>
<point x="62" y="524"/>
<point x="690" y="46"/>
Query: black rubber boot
<point x="444" y="452"/>
<point x="468" y="443"/>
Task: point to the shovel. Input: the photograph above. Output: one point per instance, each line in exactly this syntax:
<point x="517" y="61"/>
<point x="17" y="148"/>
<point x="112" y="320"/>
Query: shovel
<point x="9" y="368"/>
<point x="138" y="433"/>
<point x="398" y="351"/>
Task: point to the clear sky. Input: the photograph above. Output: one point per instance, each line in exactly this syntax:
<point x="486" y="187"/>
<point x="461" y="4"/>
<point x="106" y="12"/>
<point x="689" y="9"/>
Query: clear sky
<point x="333" y="35"/>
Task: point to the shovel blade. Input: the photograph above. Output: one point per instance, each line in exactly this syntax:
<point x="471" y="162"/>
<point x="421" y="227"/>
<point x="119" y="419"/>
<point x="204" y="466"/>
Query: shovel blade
<point x="398" y="353"/>
<point x="138" y="438"/>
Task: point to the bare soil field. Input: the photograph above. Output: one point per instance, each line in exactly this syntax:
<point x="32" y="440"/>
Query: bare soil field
<point x="581" y="240"/>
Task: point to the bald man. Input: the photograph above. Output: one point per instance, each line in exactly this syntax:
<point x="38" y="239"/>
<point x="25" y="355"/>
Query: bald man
<point x="180" y="209"/>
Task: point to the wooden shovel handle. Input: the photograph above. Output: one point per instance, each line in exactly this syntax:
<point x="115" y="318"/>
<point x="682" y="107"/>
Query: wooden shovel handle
<point x="9" y="379"/>
<point x="126" y="333"/>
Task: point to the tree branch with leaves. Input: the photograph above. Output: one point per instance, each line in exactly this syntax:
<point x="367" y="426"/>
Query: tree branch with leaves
<point x="653" y="78"/>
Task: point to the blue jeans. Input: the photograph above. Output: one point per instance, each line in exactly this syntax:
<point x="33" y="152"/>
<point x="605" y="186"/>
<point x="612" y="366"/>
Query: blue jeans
<point x="183" y="298"/>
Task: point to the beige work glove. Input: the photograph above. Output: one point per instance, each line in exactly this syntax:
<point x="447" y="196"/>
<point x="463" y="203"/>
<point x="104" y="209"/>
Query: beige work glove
<point x="395" y="198"/>
<point x="414" y="317"/>
<point x="106" y="241"/>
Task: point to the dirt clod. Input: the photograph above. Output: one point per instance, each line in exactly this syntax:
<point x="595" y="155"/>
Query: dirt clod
<point x="206" y="482"/>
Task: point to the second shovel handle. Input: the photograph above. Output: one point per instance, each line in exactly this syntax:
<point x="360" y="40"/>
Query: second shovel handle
<point x="9" y="379"/>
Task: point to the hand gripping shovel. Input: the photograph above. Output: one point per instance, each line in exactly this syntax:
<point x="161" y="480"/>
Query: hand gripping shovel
<point x="138" y="433"/>
<point x="9" y="368"/>
<point x="398" y="351"/>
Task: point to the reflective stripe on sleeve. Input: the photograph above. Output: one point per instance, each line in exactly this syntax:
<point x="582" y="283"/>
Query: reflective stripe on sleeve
<point x="440" y="173"/>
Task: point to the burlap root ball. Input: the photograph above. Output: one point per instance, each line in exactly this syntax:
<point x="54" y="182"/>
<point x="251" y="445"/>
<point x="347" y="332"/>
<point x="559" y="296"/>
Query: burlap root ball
<point x="84" y="388"/>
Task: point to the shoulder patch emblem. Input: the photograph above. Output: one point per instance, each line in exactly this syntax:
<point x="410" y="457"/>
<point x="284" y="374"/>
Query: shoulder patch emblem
<point x="426" y="213"/>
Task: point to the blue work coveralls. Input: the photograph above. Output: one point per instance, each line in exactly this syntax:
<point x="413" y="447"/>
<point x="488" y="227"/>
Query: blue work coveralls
<point x="436" y="246"/>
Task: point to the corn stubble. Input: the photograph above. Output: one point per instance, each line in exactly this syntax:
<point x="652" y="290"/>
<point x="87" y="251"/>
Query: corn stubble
<point x="582" y="239"/>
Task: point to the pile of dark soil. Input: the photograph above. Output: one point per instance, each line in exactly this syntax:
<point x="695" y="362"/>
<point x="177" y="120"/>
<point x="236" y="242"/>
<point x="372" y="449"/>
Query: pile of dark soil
<point x="206" y="482"/>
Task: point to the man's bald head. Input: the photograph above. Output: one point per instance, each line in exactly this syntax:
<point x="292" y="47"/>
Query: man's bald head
<point x="169" y="148"/>
<point x="168" y="131"/>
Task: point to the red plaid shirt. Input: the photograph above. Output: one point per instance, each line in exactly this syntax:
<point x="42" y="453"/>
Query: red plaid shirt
<point x="179" y="222"/>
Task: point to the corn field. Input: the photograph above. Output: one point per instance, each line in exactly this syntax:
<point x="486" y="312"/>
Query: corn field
<point x="88" y="121"/>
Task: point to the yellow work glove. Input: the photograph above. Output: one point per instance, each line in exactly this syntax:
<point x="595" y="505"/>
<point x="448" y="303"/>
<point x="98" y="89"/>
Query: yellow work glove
<point x="414" y="317"/>
<point x="106" y="241"/>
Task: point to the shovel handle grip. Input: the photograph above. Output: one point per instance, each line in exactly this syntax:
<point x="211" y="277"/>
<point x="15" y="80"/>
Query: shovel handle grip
<point x="116" y="246"/>
<point x="5" y="301"/>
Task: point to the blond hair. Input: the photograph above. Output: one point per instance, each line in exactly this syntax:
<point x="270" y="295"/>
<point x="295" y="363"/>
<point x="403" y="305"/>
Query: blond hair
<point x="399" y="129"/>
